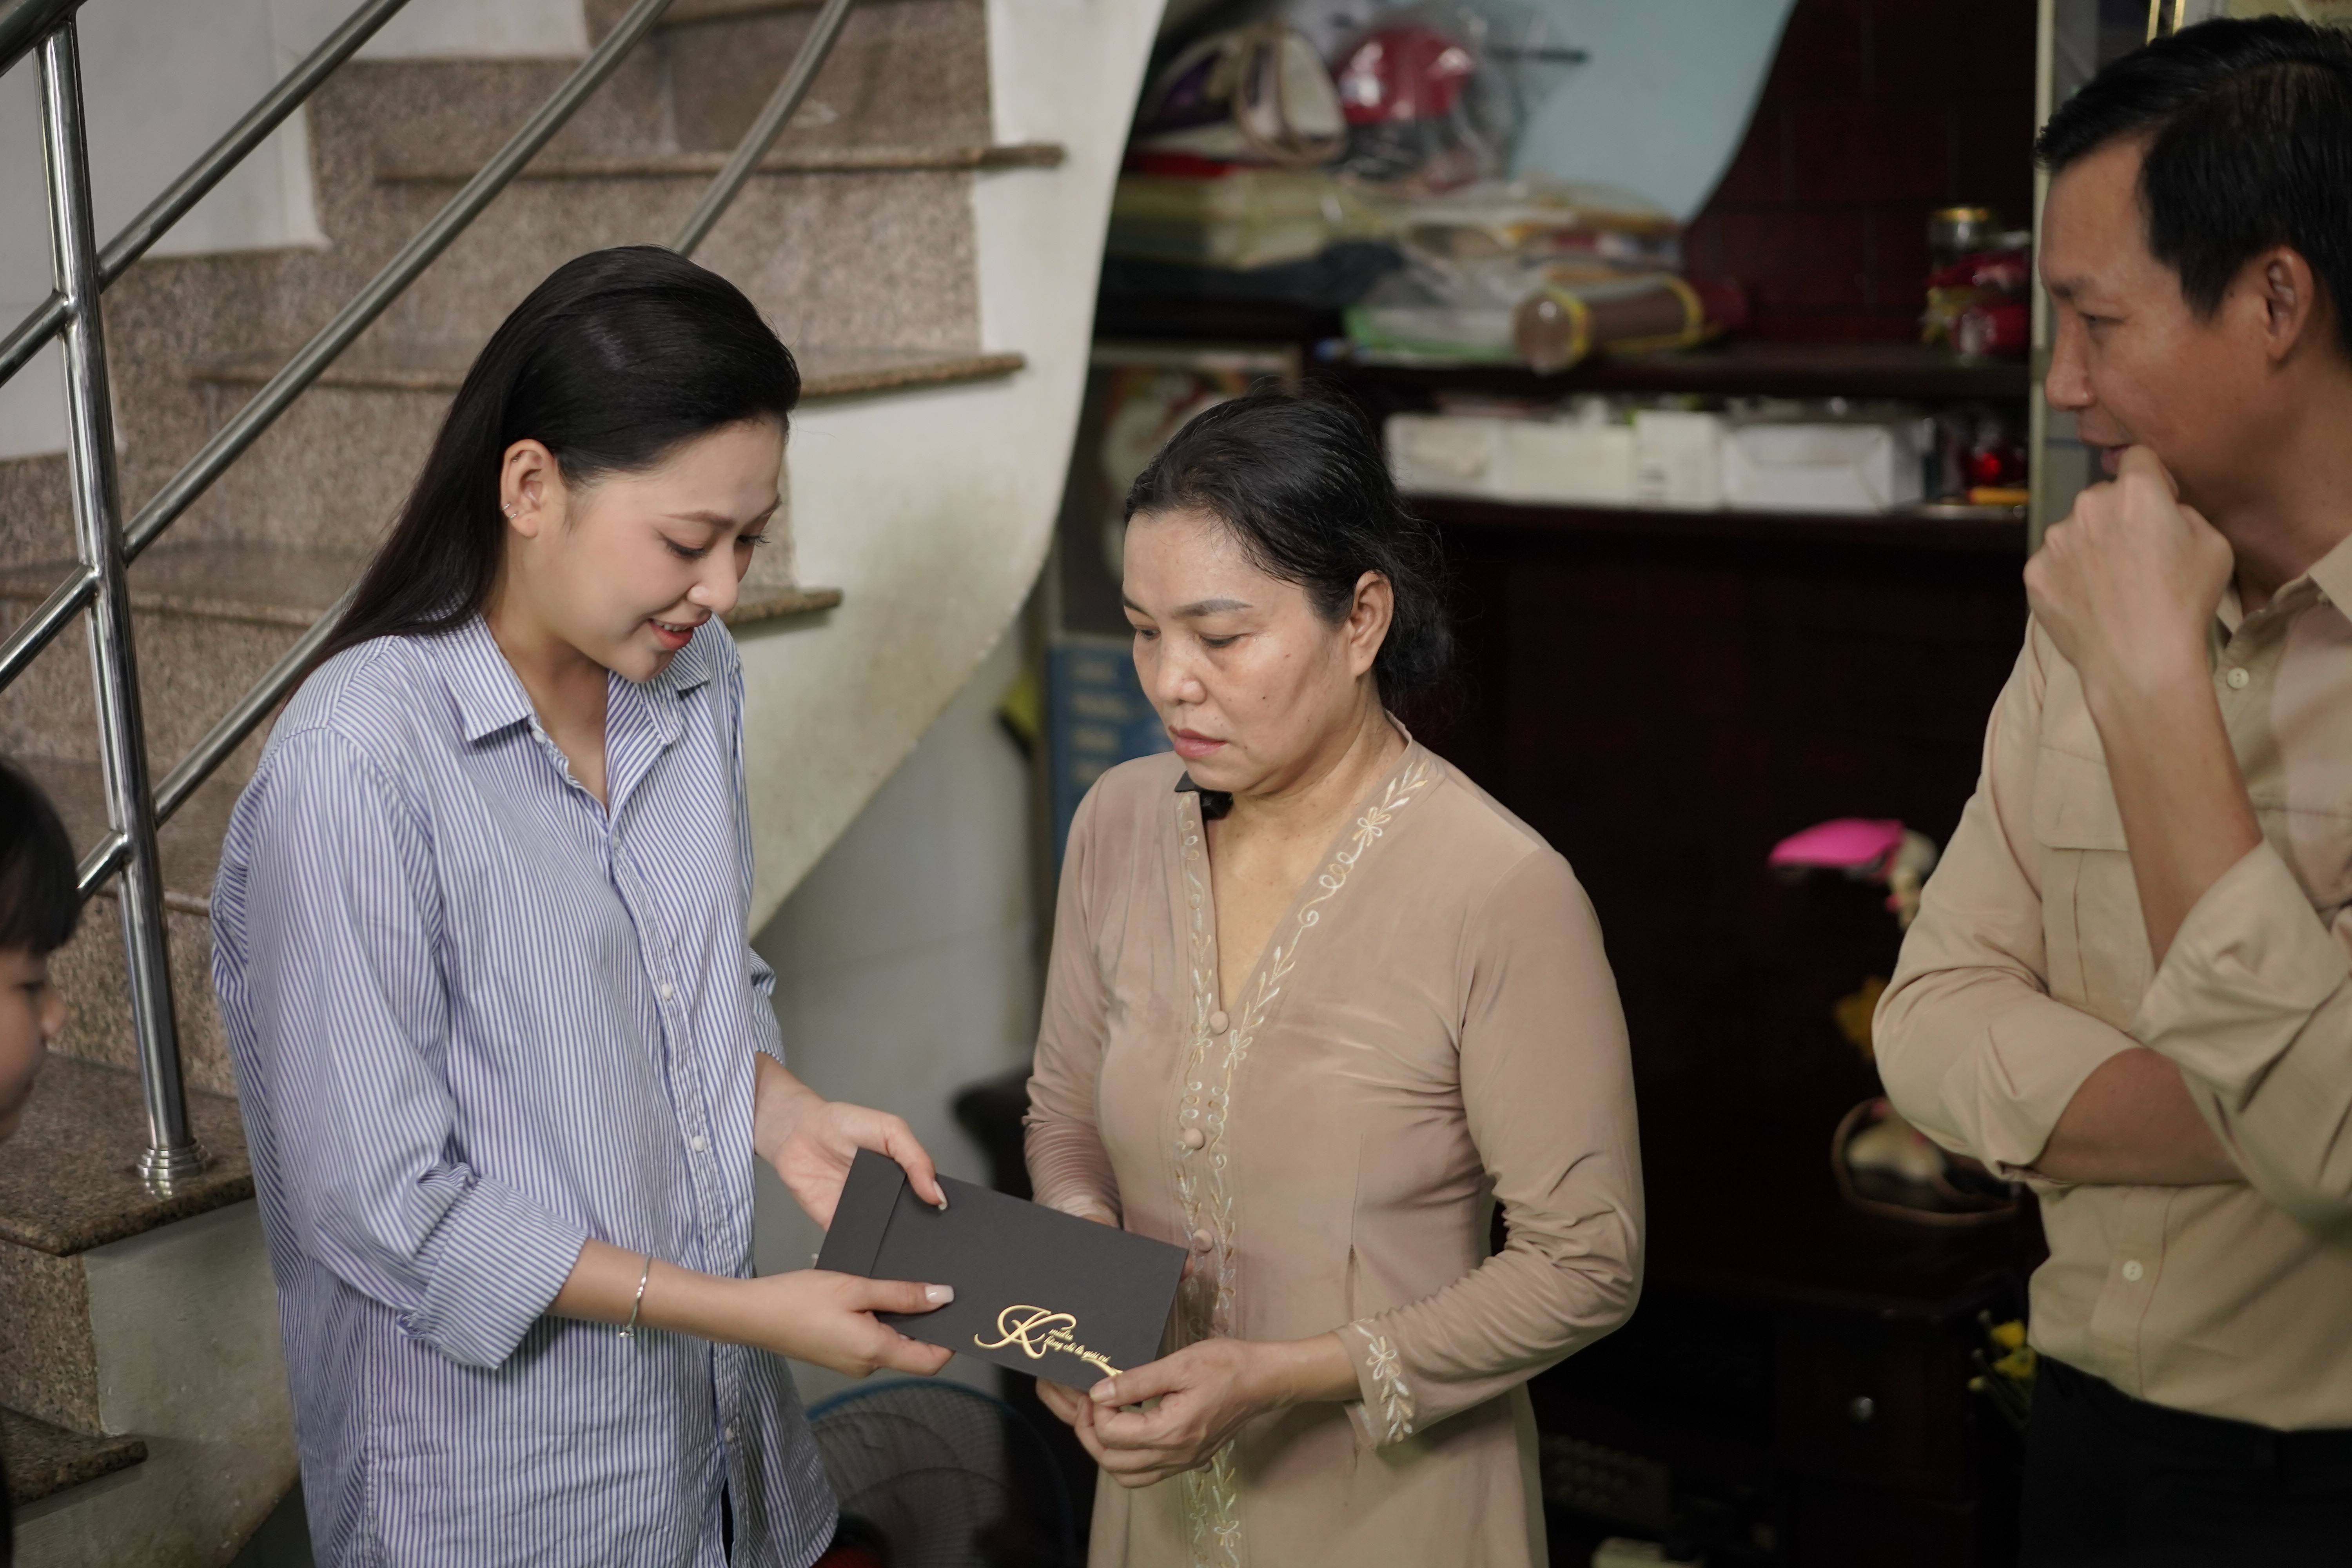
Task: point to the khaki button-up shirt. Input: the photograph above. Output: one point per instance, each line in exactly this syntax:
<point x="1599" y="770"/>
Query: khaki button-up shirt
<point x="2029" y="966"/>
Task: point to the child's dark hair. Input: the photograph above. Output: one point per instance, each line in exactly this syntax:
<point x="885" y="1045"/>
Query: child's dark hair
<point x="39" y="902"/>
<point x="1300" y="480"/>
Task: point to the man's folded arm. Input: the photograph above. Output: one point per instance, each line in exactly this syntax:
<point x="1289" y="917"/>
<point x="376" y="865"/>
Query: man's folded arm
<point x="2253" y="1002"/>
<point x="1971" y="1046"/>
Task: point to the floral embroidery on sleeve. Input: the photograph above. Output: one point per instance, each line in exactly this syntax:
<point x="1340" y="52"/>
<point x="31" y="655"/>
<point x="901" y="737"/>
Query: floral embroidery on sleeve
<point x="1388" y="1377"/>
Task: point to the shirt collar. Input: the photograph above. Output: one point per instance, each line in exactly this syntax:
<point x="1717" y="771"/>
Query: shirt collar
<point x="2333" y="573"/>
<point x="490" y="697"/>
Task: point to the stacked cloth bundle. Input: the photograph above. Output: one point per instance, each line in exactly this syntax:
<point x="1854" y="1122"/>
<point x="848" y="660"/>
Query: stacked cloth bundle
<point x="1369" y="172"/>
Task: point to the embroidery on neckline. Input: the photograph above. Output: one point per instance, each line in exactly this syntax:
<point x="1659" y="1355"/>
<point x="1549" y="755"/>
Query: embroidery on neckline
<point x="1205" y="1302"/>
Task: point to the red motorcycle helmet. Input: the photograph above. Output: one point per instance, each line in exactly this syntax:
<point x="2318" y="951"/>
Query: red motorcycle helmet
<point x="1404" y="72"/>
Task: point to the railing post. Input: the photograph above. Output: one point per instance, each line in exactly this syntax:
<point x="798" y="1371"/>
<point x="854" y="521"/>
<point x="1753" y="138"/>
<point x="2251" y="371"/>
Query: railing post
<point x="173" y="1154"/>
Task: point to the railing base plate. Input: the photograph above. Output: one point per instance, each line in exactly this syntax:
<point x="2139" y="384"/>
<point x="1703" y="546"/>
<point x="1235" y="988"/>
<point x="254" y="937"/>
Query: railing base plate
<point x="164" y="1168"/>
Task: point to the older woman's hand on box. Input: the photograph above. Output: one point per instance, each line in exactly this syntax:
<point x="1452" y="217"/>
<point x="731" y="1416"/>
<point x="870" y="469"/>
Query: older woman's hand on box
<point x="1203" y="1394"/>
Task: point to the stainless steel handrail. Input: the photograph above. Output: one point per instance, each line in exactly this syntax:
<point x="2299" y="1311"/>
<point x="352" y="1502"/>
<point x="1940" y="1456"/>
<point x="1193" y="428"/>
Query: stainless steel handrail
<point x="173" y="1152"/>
<point x="33" y="634"/>
<point x="769" y="125"/>
<point x="198" y="473"/>
<point x="25" y="23"/>
<point x="241" y="720"/>
<point x="201" y="176"/>
<point x="206" y="756"/>
<point x="33" y="333"/>
<point x="107" y="547"/>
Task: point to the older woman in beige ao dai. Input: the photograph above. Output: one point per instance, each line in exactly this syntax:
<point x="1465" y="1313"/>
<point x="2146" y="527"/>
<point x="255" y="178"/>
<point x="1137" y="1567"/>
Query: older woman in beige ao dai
<point x="1316" y="1002"/>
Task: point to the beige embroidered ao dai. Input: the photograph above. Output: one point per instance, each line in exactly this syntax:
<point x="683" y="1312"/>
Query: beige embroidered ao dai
<point x="1433" y="1024"/>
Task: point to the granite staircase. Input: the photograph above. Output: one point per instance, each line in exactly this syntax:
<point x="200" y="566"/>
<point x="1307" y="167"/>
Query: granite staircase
<point x="924" y="235"/>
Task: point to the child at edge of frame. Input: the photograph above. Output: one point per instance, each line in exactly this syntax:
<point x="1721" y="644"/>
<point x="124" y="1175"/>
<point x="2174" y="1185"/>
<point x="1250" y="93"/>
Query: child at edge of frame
<point x="38" y="907"/>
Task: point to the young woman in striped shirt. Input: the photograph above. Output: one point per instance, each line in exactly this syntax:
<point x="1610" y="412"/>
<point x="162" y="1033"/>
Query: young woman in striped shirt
<point x="505" y="1056"/>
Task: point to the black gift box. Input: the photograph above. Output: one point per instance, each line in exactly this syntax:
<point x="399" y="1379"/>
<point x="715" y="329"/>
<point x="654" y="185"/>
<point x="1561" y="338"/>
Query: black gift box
<point x="1038" y="1291"/>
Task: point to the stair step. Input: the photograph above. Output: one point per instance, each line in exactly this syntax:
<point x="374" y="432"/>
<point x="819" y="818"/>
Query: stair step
<point x="914" y="71"/>
<point x="694" y="12"/>
<point x="288" y="585"/>
<point x="952" y="157"/>
<point x="825" y="373"/>
<point x="67" y="1179"/>
<point x="43" y="1459"/>
<point x="268" y="584"/>
<point x="856" y="373"/>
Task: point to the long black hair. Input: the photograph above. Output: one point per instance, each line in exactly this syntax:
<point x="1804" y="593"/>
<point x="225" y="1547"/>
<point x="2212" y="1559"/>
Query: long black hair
<point x="39" y="901"/>
<point x="615" y="359"/>
<point x="1300" y="481"/>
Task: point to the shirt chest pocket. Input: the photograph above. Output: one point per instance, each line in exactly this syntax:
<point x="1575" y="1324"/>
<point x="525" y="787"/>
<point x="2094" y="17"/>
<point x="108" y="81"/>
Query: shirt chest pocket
<point x="2097" y="943"/>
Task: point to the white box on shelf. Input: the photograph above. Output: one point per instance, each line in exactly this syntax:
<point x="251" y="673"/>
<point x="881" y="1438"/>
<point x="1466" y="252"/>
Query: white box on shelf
<point x="1445" y="454"/>
<point x="1571" y="464"/>
<point x="1559" y="461"/>
<point x="1849" y="467"/>
<point x="1678" y="459"/>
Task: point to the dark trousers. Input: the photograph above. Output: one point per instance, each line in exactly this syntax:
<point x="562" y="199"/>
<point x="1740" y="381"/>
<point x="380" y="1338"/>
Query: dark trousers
<point x="2113" y="1479"/>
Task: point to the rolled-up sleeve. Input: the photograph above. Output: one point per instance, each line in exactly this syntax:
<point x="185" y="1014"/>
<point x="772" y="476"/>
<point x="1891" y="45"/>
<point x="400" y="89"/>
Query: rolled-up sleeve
<point x="2253" y="1003"/>
<point x="348" y="1018"/>
<point x="1547" y="1091"/>
<point x="1068" y="1166"/>
<point x="1971" y="1046"/>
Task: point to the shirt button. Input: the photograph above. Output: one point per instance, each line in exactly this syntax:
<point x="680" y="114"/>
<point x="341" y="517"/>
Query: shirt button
<point x="698" y="1142"/>
<point x="730" y="1434"/>
<point x="1218" y="1022"/>
<point x="1202" y="1240"/>
<point x="1193" y="1138"/>
<point x="2133" y="1270"/>
<point x="2237" y="679"/>
<point x="666" y="990"/>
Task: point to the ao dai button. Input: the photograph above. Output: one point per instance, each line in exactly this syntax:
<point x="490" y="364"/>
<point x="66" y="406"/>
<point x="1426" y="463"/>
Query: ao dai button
<point x="1218" y="1022"/>
<point x="1201" y="1241"/>
<point x="1192" y="1138"/>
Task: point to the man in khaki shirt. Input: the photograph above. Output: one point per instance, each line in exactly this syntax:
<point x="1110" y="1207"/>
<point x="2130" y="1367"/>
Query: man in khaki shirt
<point x="2130" y="983"/>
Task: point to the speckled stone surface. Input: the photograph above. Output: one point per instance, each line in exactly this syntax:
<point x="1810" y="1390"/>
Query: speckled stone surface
<point x="864" y="158"/>
<point x="85" y="1123"/>
<point x="45" y="1459"/>
<point x="89" y="970"/>
<point x="865" y="257"/>
<point x="36" y="509"/>
<point x="828" y="372"/>
<point x="915" y="70"/>
<point x="192" y="669"/>
<point x="236" y="581"/>
<point x="282" y="492"/>
<point x="48" y="1357"/>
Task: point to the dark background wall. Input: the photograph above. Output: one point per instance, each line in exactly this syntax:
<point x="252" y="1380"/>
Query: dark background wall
<point x="1877" y="114"/>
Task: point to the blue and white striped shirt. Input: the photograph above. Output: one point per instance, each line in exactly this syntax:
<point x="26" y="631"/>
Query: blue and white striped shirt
<point x="476" y="1019"/>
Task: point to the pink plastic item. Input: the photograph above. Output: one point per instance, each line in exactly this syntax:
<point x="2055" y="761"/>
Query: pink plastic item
<point x="1847" y="844"/>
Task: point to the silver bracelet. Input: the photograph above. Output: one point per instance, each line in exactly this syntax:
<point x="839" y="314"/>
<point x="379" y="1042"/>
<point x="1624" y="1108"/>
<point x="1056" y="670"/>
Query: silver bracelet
<point x="629" y="1329"/>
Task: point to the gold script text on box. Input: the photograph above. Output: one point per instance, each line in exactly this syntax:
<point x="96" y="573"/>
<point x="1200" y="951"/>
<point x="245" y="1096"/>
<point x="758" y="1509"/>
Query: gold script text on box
<point x="1038" y="1330"/>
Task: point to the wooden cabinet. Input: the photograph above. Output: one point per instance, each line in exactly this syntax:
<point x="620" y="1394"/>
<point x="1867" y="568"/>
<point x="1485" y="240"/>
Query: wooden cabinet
<point x="1798" y="1401"/>
<point x="1663" y="696"/>
<point x="1872" y="1402"/>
